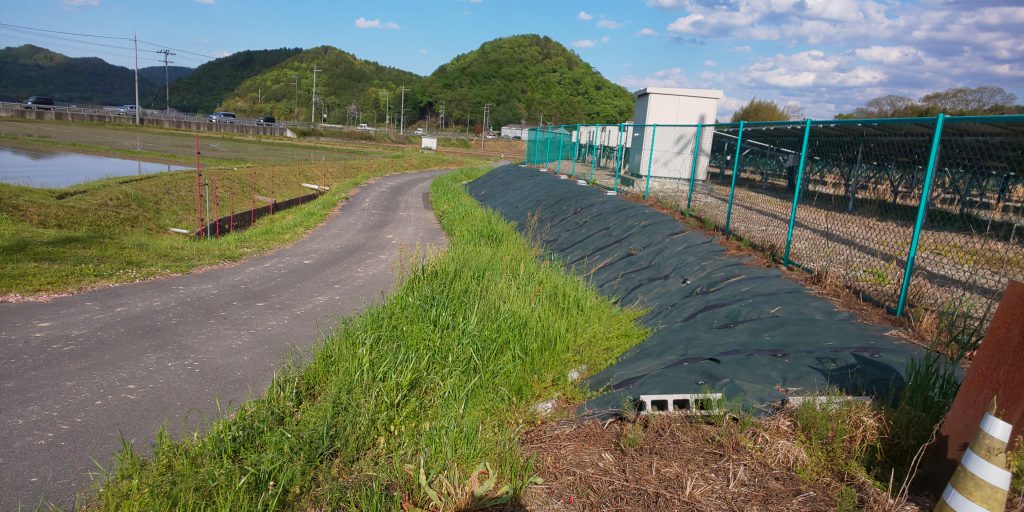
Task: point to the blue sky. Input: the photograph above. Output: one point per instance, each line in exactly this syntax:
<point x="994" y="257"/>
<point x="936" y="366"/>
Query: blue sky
<point x="821" y="56"/>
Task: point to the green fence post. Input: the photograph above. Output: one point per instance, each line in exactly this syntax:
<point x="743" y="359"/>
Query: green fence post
<point x="618" y="159"/>
<point x="593" y="161"/>
<point x="796" y="193"/>
<point x="922" y="212"/>
<point x="735" y="170"/>
<point x="536" y="144"/>
<point x="561" y="138"/>
<point x="575" y="152"/>
<point x="650" y="161"/>
<point x="547" y="149"/>
<point x="693" y="170"/>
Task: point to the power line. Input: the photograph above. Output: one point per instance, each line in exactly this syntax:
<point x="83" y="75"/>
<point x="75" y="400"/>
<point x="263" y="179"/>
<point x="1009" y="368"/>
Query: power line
<point x="36" y="29"/>
<point x="66" y="33"/>
<point x="177" y="49"/>
<point x="93" y="51"/>
<point x="20" y="31"/>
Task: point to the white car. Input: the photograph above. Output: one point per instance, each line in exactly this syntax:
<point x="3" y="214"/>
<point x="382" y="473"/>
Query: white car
<point x="363" y="126"/>
<point x="221" y="117"/>
<point x="418" y="131"/>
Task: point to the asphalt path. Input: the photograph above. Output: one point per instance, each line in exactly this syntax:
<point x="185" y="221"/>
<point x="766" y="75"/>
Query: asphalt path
<point x="79" y="372"/>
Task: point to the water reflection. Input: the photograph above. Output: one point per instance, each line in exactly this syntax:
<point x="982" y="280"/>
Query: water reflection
<point x="58" y="169"/>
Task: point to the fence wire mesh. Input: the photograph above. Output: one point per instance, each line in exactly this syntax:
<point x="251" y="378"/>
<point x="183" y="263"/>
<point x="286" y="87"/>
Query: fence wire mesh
<point x="868" y="189"/>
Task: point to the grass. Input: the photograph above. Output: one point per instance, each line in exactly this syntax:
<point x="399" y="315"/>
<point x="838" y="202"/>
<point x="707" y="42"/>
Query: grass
<point x="420" y="401"/>
<point x="116" y="230"/>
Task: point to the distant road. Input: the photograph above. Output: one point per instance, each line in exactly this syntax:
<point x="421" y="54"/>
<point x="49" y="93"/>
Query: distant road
<point x="78" y="372"/>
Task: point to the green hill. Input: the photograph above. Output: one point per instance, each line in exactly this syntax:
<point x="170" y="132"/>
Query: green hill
<point x="204" y="89"/>
<point x="27" y="70"/>
<point x="155" y="74"/>
<point x="522" y="77"/>
<point x="347" y="85"/>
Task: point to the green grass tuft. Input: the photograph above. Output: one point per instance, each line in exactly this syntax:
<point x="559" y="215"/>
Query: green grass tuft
<point x="420" y="400"/>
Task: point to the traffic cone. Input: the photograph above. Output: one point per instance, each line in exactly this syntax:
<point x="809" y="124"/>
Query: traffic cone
<point x="981" y="481"/>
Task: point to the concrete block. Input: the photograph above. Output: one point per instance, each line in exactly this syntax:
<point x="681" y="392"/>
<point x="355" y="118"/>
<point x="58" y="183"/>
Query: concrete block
<point x="693" y="404"/>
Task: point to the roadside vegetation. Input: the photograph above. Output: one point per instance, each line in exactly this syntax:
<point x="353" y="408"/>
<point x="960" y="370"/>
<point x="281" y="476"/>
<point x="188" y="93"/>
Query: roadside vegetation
<point x="419" y="402"/>
<point x="115" y="230"/>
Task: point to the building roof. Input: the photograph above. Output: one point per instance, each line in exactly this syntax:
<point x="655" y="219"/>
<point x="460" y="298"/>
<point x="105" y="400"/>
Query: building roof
<point x="672" y="91"/>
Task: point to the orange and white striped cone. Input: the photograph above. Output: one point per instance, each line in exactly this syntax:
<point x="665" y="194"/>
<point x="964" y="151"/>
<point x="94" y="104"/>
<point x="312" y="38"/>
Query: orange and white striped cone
<point x="981" y="481"/>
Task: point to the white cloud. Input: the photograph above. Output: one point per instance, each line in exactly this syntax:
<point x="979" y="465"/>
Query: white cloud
<point x="741" y="49"/>
<point x="583" y="43"/>
<point x="812" y="68"/>
<point x="646" y="32"/>
<point x="670" y="77"/>
<point x="890" y="54"/>
<point x="668" y="4"/>
<point x="710" y="63"/>
<point x="223" y="53"/>
<point x="583" y="15"/>
<point x="838" y="10"/>
<point x="423" y="51"/>
<point x="206" y="2"/>
<point x="605" y="39"/>
<point x="82" y="3"/>
<point x="375" y="24"/>
<point x="609" y="24"/>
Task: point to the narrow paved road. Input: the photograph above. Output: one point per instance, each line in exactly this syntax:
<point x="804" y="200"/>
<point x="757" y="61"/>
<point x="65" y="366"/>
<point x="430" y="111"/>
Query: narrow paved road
<point x="78" y="372"/>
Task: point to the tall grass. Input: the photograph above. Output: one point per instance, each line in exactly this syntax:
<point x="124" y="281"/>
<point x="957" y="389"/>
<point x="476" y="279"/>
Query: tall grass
<point x="418" y="401"/>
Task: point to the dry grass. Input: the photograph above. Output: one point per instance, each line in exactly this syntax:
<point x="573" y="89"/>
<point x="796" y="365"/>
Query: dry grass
<point x="671" y="463"/>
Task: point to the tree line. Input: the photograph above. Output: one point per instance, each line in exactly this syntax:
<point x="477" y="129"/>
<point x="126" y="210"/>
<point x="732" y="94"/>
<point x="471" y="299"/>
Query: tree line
<point x="957" y="101"/>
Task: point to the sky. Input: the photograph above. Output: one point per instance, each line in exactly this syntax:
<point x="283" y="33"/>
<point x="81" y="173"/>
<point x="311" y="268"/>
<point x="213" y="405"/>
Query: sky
<point x="821" y="57"/>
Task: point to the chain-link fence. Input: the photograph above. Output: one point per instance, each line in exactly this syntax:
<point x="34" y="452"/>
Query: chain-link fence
<point x="923" y="214"/>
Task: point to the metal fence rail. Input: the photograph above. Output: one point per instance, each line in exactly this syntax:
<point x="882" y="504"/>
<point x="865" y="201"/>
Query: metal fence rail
<point x="923" y="213"/>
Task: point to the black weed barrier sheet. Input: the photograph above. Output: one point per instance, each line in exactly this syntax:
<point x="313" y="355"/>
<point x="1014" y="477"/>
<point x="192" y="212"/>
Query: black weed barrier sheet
<point x="721" y="323"/>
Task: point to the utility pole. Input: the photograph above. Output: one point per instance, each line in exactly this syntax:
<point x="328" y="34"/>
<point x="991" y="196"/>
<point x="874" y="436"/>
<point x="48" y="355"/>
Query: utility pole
<point x="440" y="119"/>
<point x="401" y="129"/>
<point x="542" y="118"/>
<point x="312" y="115"/>
<point x="483" y="129"/>
<point x="137" y="109"/>
<point x="295" y="108"/>
<point x="167" y="79"/>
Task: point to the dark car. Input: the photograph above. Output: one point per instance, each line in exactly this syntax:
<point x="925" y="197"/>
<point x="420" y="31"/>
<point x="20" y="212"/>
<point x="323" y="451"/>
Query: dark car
<point x="38" y="103"/>
<point x="265" y="121"/>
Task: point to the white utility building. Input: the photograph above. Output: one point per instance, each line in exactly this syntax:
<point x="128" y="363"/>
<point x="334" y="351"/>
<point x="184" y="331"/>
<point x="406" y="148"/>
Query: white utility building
<point x="673" y="146"/>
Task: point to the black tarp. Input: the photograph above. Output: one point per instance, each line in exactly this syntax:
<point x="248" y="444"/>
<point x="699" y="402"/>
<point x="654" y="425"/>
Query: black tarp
<point x="721" y="323"/>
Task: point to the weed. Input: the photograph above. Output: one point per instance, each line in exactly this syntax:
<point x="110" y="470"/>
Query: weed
<point x="847" y="501"/>
<point x="632" y="436"/>
<point x="839" y="436"/>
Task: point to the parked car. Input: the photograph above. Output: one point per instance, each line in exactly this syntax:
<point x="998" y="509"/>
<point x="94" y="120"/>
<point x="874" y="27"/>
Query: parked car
<point x="38" y="103"/>
<point x="418" y="131"/>
<point x="363" y="126"/>
<point x="265" y="121"/>
<point x="127" y="110"/>
<point x="222" y="117"/>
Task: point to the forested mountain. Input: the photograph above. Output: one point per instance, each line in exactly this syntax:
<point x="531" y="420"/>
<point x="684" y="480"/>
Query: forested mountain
<point x="155" y="74"/>
<point x="346" y="86"/>
<point x="204" y="89"/>
<point x="523" y="77"/>
<point x="30" y="70"/>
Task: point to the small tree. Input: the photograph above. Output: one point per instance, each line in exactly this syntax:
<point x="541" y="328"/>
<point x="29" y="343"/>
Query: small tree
<point x="760" y="110"/>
